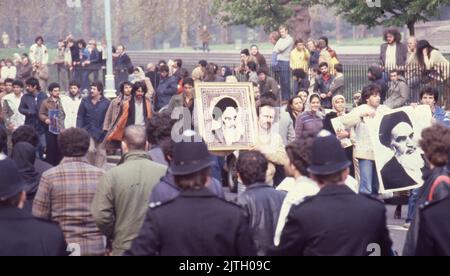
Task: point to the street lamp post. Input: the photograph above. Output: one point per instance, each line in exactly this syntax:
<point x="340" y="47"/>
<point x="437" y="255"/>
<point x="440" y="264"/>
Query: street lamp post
<point x="110" y="91"/>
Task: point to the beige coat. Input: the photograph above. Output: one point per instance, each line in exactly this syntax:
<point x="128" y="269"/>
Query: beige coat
<point x="273" y="148"/>
<point x="363" y="145"/>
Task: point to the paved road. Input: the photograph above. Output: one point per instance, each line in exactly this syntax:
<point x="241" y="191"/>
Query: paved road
<point x="398" y="233"/>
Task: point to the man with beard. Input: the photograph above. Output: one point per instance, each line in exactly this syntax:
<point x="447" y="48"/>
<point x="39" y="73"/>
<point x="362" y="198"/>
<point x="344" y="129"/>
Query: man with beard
<point x="269" y="142"/>
<point x="226" y="116"/>
<point x="393" y="53"/>
<point x="140" y="110"/>
<point x="136" y="111"/>
<point x="405" y="167"/>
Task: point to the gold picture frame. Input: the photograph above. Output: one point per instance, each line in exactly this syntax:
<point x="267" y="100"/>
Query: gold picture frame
<point x="226" y="115"/>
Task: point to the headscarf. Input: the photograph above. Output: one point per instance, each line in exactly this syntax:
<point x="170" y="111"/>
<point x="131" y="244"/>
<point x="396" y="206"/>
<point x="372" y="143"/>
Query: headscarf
<point x="334" y="100"/>
<point x="139" y="75"/>
<point x="24" y="155"/>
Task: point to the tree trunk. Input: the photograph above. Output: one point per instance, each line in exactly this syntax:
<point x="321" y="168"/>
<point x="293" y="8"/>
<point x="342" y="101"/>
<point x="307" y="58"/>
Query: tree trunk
<point x="411" y="28"/>
<point x="316" y="22"/>
<point x="184" y="35"/>
<point x="184" y="23"/>
<point x="339" y="34"/>
<point x="119" y="25"/>
<point x="87" y="19"/>
<point x="225" y="34"/>
<point x="17" y="24"/>
<point x="300" y="23"/>
<point x="149" y="39"/>
<point x="263" y="37"/>
<point x="64" y="22"/>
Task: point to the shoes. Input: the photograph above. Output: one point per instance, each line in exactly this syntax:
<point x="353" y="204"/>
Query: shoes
<point x="407" y="225"/>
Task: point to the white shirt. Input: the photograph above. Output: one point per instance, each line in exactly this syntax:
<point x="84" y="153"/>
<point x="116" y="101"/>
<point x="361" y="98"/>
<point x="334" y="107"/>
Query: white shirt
<point x="304" y="187"/>
<point x="287" y="184"/>
<point x="391" y="56"/>
<point x="38" y="54"/>
<point x="139" y="114"/>
<point x="70" y="106"/>
<point x="8" y="72"/>
<point x="17" y="119"/>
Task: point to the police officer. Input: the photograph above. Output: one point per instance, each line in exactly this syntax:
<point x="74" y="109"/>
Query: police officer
<point x="336" y="221"/>
<point x="434" y="223"/>
<point x="20" y="233"/>
<point x="197" y="223"/>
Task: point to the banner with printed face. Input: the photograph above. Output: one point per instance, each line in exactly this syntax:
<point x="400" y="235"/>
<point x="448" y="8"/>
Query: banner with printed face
<point x="399" y="159"/>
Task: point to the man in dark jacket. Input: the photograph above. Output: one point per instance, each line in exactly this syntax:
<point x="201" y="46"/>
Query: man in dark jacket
<point x="153" y="74"/>
<point x="197" y="223"/>
<point x="30" y="104"/>
<point x="122" y="66"/>
<point x="375" y="76"/>
<point x="434" y="228"/>
<point x="323" y="84"/>
<point x="300" y="80"/>
<point x="166" y="89"/>
<point x="20" y="233"/>
<point x="435" y="145"/>
<point x="166" y="190"/>
<point x="261" y="201"/>
<point x="336" y="221"/>
<point x="91" y="116"/>
<point x="178" y="71"/>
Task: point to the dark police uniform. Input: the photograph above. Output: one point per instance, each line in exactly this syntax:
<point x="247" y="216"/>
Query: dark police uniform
<point x="336" y="222"/>
<point x="434" y="229"/>
<point x="23" y="235"/>
<point x="197" y="223"/>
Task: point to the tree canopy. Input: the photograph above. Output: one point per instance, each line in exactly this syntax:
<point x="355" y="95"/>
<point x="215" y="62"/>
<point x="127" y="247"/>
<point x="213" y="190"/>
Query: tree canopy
<point x="272" y="13"/>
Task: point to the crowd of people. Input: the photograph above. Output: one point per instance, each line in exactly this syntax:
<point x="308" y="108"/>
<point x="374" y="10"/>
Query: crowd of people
<point x="303" y="190"/>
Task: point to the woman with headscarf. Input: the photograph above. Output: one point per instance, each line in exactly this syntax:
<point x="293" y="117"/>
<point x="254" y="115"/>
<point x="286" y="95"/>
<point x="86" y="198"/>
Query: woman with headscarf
<point x="226" y="72"/>
<point x="24" y="155"/>
<point x="339" y="109"/>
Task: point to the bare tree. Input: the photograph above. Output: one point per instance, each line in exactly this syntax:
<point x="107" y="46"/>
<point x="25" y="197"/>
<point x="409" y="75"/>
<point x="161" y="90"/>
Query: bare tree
<point x="119" y="22"/>
<point x="88" y="9"/>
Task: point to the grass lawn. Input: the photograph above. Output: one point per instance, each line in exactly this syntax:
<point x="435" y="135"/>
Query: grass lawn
<point x="8" y="53"/>
<point x="265" y="47"/>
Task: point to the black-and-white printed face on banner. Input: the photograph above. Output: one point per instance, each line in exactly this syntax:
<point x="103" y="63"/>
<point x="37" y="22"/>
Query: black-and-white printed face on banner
<point x="399" y="159"/>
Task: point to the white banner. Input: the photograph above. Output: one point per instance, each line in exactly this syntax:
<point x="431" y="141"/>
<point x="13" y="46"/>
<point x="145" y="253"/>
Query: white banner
<point x="398" y="156"/>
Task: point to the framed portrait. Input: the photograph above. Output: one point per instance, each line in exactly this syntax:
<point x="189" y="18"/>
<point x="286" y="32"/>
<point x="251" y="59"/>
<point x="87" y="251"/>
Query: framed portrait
<point x="226" y="115"/>
<point x="338" y="127"/>
<point x="399" y="159"/>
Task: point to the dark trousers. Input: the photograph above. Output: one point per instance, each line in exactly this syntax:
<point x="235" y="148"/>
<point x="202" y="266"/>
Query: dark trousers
<point x="53" y="156"/>
<point x="85" y="75"/>
<point x="205" y="47"/>
<point x="285" y="80"/>
<point x="447" y="94"/>
<point x="120" y="76"/>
